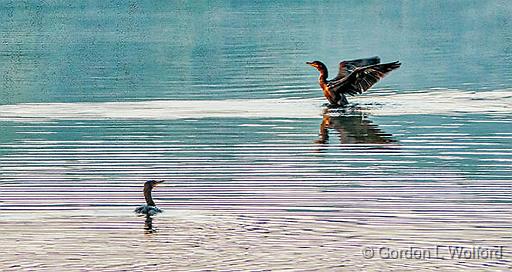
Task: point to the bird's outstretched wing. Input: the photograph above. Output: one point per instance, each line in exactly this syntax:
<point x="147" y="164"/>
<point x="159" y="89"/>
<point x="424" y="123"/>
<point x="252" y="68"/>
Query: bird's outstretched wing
<point x="348" y="66"/>
<point x="361" y="79"/>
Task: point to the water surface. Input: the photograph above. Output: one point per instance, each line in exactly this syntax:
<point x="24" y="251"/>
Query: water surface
<point x="215" y="98"/>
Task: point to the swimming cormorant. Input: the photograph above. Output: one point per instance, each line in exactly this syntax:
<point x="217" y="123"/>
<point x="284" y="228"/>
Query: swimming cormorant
<point x="150" y="208"/>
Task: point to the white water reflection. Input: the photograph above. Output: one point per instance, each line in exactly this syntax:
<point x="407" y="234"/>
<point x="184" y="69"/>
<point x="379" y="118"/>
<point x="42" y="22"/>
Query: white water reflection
<point x="431" y="102"/>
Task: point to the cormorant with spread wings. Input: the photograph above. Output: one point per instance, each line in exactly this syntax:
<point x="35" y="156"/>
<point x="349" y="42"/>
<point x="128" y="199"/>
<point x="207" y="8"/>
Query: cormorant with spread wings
<point x="354" y="77"/>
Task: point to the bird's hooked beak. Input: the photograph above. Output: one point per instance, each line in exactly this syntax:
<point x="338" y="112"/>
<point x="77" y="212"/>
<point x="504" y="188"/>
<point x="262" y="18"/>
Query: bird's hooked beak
<point x="312" y="63"/>
<point x="158" y="182"/>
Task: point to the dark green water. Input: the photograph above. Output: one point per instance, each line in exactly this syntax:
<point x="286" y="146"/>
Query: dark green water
<point x="215" y="98"/>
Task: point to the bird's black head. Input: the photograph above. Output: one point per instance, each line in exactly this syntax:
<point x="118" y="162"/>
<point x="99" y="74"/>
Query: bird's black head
<point x="314" y="63"/>
<point x="317" y="64"/>
<point x="152" y="183"/>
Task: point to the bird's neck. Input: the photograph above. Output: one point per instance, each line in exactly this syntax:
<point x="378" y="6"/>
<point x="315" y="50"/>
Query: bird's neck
<point x="323" y="75"/>
<point x="147" y="196"/>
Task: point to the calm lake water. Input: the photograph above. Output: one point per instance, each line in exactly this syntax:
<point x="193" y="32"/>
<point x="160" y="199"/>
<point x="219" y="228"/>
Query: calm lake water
<point x="215" y="98"/>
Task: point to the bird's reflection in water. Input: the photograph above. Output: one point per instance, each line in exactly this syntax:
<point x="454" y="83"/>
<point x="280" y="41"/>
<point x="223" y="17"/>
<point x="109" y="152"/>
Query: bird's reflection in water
<point x="148" y="225"/>
<point x="352" y="128"/>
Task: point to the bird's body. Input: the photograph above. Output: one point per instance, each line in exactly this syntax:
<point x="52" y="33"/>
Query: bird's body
<point x="354" y="77"/>
<point x="147" y="209"/>
<point x="150" y="208"/>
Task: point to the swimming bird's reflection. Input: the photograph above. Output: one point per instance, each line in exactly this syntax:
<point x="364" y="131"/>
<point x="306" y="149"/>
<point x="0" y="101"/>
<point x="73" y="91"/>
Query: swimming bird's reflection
<point x="148" y="225"/>
<point x="352" y="129"/>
